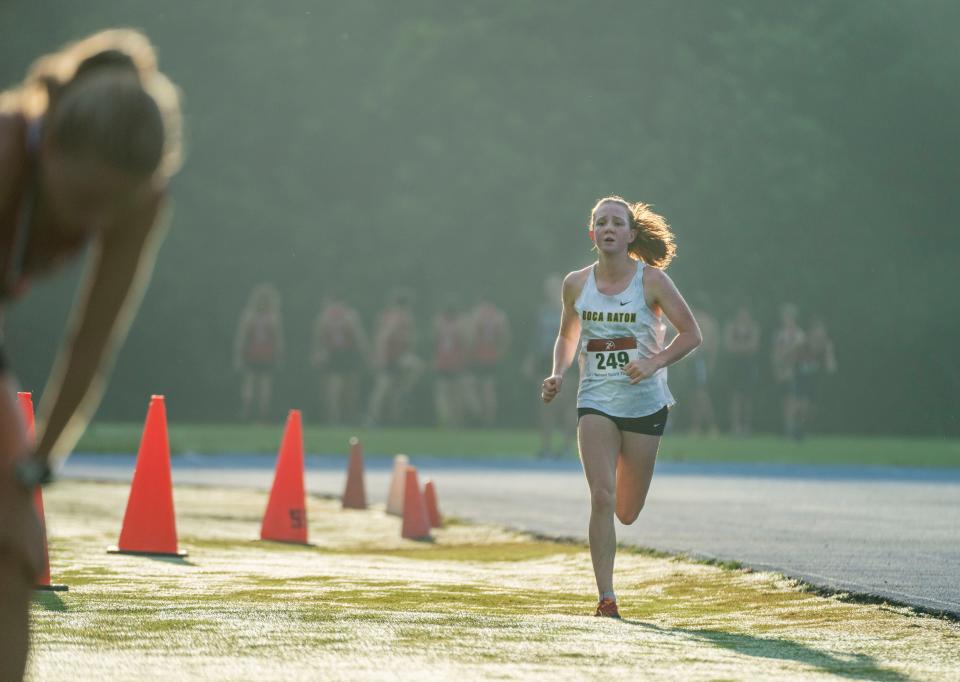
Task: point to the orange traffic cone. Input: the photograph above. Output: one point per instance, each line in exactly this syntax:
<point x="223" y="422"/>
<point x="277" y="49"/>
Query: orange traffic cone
<point x="397" y="484"/>
<point x="285" y="519"/>
<point x="43" y="579"/>
<point x="416" y="526"/>
<point x="149" y="523"/>
<point x="354" y="495"/>
<point x="430" y="500"/>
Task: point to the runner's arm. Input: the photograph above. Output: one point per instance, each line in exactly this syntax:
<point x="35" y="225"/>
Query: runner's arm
<point x="663" y="293"/>
<point x="117" y="275"/>
<point x="565" y="347"/>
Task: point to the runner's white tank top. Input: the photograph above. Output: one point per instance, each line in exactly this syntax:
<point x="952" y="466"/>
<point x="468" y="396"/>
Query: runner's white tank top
<point x="614" y="331"/>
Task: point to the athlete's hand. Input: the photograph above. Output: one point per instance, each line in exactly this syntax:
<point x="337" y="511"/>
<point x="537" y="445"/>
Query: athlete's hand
<point x="551" y="387"/>
<point x="638" y="370"/>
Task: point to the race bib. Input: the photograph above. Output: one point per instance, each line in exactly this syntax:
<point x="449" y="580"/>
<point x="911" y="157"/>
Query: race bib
<point x="608" y="357"/>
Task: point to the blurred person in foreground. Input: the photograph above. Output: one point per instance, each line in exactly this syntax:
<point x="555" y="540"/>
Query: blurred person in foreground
<point x="397" y="366"/>
<point x="489" y="333"/>
<point x="258" y="350"/>
<point x="88" y="144"/>
<point x="787" y="346"/>
<point x="613" y="310"/>
<point x="741" y="344"/>
<point x="558" y="413"/>
<point x="341" y="352"/>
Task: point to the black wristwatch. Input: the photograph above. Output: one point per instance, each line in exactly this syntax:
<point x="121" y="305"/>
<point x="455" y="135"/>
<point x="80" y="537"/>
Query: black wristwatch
<point x="32" y="472"/>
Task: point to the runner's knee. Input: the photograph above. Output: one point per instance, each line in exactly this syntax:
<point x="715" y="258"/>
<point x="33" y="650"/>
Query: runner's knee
<point x="602" y="497"/>
<point x="628" y="516"/>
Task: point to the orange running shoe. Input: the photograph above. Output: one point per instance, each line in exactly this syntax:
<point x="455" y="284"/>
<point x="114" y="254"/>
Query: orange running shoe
<point x="607" y="608"/>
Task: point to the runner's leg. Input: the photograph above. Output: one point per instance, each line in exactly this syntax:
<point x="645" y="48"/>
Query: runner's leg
<point x="599" y="444"/>
<point x="635" y="464"/>
<point x="15" y="583"/>
<point x="382" y="385"/>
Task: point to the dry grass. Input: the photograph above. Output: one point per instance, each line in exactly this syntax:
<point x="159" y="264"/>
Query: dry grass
<point x="479" y="602"/>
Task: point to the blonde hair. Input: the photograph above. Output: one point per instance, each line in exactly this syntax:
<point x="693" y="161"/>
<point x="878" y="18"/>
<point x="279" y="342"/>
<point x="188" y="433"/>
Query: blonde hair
<point x="654" y="243"/>
<point x="103" y="96"/>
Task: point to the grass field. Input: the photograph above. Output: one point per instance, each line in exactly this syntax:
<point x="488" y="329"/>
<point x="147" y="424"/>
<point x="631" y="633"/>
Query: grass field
<point x="479" y="602"/>
<point x="203" y="438"/>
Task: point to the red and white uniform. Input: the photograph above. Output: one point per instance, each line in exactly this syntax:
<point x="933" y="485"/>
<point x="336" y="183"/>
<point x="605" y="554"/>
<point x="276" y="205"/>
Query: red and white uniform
<point x="488" y="335"/>
<point x="450" y="351"/>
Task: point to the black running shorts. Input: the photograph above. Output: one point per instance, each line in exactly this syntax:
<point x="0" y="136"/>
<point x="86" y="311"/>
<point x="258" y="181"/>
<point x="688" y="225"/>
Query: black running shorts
<point x="651" y="425"/>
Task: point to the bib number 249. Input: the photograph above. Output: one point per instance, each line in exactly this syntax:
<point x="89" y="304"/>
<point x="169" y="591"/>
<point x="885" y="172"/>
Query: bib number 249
<point x="610" y="356"/>
<point x="612" y="360"/>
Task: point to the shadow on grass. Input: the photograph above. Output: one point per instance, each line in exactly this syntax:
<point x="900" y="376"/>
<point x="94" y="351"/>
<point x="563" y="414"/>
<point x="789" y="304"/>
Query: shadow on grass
<point x="49" y="601"/>
<point x="851" y="666"/>
<point x="178" y="560"/>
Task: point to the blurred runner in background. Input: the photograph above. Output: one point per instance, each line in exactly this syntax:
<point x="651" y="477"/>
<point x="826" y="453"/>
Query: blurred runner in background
<point x="397" y="366"/>
<point x="815" y="360"/>
<point x="559" y="414"/>
<point x="341" y="351"/>
<point x="787" y="345"/>
<point x="490" y="341"/>
<point x="741" y="341"/>
<point x="449" y="363"/>
<point x="258" y="350"/>
<point x="703" y="418"/>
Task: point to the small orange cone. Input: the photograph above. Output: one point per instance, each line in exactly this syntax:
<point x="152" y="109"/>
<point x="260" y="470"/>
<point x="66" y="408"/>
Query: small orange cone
<point x="416" y="526"/>
<point x="354" y="495"/>
<point x="149" y="524"/>
<point x="285" y="519"/>
<point x="397" y="483"/>
<point x="430" y="499"/>
<point x="43" y="579"/>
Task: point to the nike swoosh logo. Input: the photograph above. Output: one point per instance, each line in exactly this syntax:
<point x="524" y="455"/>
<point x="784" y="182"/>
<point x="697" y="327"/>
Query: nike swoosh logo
<point x="624" y="302"/>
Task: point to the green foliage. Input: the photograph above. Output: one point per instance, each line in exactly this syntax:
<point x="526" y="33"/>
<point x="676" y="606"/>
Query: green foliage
<point x="802" y="152"/>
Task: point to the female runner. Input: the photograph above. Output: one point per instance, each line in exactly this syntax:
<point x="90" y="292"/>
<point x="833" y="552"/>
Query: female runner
<point x="613" y="309"/>
<point x="258" y="349"/>
<point x="88" y="144"/>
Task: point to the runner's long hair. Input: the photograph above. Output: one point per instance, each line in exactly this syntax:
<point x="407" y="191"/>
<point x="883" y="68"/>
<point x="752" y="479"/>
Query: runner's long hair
<point x="103" y="97"/>
<point x="654" y="244"/>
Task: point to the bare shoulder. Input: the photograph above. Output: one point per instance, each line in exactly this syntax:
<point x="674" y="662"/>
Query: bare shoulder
<point x="577" y="278"/>
<point x="656" y="278"/>
<point x="574" y="281"/>
<point x="656" y="285"/>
